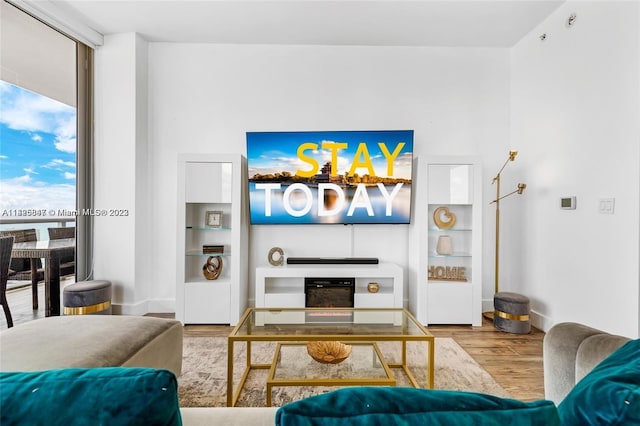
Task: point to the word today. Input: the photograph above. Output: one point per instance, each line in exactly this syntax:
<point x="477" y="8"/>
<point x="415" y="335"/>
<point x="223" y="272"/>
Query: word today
<point x="299" y="191"/>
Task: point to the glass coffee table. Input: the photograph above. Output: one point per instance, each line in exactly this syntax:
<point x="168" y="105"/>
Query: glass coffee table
<point x="292" y="328"/>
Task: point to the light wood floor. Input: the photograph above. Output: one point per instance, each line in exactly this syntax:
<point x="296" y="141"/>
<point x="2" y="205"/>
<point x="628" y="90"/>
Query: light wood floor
<point x="514" y="360"/>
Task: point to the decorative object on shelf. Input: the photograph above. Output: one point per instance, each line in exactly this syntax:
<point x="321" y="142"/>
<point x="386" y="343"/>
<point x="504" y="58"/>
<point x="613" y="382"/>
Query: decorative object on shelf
<point x="212" y="269"/>
<point x="276" y="256"/>
<point x="444" y="224"/>
<point x="210" y="248"/>
<point x="328" y="352"/>
<point x="447" y="273"/>
<point x="373" y="287"/>
<point x="519" y="190"/>
<point x="213" y="219"/>
<point x="444" y="246"/>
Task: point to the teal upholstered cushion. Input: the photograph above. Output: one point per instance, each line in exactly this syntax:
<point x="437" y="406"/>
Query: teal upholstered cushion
<point x="97" y="396"/>
<point x="609" y="394"/>
<point x="383" y="406"/>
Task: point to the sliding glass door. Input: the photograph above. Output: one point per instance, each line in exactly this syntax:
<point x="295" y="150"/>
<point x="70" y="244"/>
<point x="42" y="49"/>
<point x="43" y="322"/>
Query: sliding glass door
<point x="45" y="132"/>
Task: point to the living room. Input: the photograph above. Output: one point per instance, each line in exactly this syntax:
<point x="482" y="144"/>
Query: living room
<point x="554" y="100"/>
<point x="523" y="94"/>
<point x="565" y="96"/>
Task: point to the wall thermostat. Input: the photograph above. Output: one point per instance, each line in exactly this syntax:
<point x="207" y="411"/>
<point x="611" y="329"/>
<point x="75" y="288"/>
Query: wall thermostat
<point x="568" y="203"/>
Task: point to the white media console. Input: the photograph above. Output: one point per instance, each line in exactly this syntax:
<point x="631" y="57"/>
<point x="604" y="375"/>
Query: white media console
<point x="283" y="286"/>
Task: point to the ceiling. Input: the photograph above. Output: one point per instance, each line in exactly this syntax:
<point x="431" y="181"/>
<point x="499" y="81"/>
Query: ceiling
<point x="316" y="22"/>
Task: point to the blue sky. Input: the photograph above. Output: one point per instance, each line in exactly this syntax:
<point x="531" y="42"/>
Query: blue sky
<point x="37" y="151"/>
<point x="269" y="152"/>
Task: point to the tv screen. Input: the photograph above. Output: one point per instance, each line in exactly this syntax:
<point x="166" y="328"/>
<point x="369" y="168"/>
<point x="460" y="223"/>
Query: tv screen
<point x="333" y="177"/>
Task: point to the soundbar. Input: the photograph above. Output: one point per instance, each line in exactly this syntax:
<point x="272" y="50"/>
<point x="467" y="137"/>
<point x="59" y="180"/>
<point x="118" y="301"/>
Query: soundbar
<point x="332" y="260"/>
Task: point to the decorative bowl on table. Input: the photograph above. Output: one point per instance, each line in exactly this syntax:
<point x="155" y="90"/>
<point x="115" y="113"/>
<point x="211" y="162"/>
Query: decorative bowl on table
<point x="328" y="352"/>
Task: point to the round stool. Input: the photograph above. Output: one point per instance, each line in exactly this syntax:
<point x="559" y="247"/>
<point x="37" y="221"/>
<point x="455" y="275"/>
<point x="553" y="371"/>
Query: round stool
<point x="511" y="312"/>
<point x="87" y="297"/>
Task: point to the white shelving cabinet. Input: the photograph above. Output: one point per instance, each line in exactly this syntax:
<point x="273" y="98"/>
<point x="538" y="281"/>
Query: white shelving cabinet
<point x="447" y="288"/>
<point x="211" y="182"/>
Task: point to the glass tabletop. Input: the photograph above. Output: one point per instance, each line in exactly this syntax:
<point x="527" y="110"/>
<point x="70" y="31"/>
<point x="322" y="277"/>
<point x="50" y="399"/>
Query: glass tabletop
<point x="315" y="322"/>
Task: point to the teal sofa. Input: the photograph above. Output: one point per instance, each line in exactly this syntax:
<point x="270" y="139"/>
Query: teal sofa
<point x="609" y="394"/>
<point x="591" y="378"/>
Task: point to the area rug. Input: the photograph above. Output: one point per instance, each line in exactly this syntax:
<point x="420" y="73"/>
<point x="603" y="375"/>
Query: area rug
<point x="203" y="382"/>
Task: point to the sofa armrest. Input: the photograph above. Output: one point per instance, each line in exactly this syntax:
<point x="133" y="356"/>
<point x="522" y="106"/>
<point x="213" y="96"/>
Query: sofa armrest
<point x="595" y="349"/>
<point x="559" y="352"/>
<point x="570" y="351"/>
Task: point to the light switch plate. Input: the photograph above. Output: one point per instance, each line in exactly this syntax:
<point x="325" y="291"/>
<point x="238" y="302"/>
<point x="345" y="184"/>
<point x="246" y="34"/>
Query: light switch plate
<point x="606" y="205"/>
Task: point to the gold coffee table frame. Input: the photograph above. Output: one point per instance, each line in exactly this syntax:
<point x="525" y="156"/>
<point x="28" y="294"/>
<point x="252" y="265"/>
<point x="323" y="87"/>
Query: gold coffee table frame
<point x="377" y="358"/>
<point x="293" y="325"/>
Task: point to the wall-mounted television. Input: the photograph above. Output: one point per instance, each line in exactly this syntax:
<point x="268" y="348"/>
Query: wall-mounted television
<point x="330" y="177"/>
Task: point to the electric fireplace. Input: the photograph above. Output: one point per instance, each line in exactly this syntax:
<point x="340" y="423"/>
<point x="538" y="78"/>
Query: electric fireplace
<point x="329" y="293"/>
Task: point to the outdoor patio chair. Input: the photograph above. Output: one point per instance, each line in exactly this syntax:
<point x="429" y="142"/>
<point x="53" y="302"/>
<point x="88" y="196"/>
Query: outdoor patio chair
<point x="20" y="269"/>
<point x="67" y="262"/>
<point x="6" y="244"/>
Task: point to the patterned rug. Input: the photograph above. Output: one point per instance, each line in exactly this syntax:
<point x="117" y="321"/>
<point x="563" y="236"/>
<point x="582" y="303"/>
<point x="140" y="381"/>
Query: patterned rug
<point x="203" y="382"/>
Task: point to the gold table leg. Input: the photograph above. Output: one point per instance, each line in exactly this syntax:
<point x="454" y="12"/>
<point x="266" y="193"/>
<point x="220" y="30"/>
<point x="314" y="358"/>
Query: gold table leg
<point x="430" y="366"/>
<point x="230" y="401"/>
<point x="432" y="360"/>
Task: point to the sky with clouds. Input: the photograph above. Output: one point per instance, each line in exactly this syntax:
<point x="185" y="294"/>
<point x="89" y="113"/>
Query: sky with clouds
<point x="37" y="151"/>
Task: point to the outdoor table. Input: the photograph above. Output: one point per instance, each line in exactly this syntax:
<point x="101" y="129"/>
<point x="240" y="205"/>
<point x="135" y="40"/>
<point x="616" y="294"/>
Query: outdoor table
<point x="50" y="251"/>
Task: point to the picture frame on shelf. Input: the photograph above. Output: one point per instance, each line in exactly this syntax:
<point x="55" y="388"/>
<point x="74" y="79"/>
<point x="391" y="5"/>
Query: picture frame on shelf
<point x="213" y="219"/>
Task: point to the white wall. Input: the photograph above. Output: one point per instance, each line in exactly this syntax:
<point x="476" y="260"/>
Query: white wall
<point x="122" y="244"/>
<point x="570" y="105"/>
<point x="203" y="98"/>
<point x="575" y="113"/>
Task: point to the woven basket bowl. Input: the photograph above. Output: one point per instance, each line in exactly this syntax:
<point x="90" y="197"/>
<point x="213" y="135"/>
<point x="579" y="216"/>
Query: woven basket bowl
<point x="328" y="352"/>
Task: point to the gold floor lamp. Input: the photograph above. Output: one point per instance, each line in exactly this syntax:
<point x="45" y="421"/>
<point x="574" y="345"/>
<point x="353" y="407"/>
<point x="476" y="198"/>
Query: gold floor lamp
<point x="519" y="190"/>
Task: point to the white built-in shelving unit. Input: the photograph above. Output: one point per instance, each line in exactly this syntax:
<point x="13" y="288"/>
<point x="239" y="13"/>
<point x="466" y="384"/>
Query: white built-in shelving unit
<point x="211" y="182"/>
<point x="447" y="288"/>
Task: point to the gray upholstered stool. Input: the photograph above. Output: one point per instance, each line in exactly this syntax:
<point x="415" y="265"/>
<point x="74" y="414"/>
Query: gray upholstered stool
<point x="511" y="312"/>
<point x="87" y="297"/>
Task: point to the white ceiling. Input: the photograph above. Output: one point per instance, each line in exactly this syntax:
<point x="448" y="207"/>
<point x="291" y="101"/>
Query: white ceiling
<point x="319" y="22"/>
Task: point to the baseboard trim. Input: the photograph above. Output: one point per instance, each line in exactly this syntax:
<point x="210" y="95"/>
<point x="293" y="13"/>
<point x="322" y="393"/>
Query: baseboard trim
<point x="162" y="306"/>
<point x="541" y="322"/>
<point x="139" y="308"/>
<point x="157" y="306"/>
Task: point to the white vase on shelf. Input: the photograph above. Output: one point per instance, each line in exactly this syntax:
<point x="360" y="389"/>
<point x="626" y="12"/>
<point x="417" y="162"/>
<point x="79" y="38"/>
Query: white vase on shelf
<point x="444" y="246"/>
